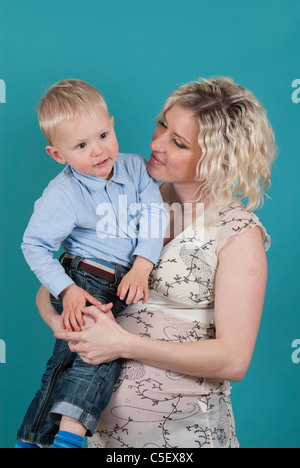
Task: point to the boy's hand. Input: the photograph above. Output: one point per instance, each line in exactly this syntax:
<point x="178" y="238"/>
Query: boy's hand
<point x="135" y="282"/>
<point x="74" y="299"/>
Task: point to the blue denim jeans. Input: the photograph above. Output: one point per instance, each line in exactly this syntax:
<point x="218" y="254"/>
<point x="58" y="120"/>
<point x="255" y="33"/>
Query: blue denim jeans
<point x="69" y="386"/>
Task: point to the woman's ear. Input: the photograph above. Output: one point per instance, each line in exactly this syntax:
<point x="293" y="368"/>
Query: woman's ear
<point x="54" y="153"/>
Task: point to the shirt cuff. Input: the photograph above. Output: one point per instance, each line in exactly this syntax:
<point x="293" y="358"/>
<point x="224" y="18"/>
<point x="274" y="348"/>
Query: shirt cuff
<point x="59" y="285"/>
<point x="146" y="250"/>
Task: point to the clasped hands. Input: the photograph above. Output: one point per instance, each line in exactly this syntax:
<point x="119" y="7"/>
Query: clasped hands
<point x="100" y="339"/>
<point x="92" y="332"/>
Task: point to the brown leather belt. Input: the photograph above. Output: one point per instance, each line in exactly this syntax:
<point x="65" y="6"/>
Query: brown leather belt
<point x="105" y="270"/>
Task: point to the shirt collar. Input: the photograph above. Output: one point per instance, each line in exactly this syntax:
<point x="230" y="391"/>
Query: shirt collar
<point x="119" y="176"/>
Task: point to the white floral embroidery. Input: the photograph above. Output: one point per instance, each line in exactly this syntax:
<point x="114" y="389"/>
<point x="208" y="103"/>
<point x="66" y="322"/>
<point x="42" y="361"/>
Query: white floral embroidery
<point x="154" y="408"/>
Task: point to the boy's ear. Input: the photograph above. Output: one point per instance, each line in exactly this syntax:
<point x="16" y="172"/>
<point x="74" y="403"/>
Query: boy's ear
<point x="52" y="151"/>
<point x="112" y="119"/>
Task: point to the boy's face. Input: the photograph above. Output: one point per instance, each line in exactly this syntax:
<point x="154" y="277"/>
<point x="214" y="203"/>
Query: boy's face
<point x="87" y="143"/>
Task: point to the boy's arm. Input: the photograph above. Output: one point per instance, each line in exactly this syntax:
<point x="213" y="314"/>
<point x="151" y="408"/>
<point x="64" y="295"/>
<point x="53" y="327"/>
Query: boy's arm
<point x="53" y="220"/>
<point x="153" y="222"/>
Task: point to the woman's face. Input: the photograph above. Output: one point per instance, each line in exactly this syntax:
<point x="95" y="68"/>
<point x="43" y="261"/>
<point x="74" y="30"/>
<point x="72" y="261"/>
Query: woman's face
<point x="175" y="148"/>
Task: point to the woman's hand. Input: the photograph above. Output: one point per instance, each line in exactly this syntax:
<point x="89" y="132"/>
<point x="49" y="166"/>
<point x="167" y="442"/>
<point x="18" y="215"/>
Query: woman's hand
<point x="103" y="342"/>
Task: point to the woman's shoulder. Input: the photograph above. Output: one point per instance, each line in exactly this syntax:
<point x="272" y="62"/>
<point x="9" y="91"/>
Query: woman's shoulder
<point x="236" y="219"/>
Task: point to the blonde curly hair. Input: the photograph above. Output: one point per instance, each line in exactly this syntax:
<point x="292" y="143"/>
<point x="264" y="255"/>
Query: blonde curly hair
<point x="237" y="142"/>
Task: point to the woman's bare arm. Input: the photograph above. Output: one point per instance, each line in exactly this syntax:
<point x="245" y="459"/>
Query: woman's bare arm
<point x="240" y="291"/>
<point x="47" y="311"/>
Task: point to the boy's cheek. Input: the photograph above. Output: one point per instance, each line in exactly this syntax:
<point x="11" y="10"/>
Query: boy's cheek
<point x="115" y="149"/>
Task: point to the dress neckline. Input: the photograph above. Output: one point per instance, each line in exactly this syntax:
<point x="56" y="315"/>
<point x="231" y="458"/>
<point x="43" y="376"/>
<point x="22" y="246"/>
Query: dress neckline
<point x="182" y="234"/>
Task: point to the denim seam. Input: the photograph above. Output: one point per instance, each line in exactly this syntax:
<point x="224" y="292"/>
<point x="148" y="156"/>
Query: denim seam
<point x="53" y="383"/>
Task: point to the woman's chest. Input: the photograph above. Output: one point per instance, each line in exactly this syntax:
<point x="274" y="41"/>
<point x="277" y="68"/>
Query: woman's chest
<point x="186" y="270"/>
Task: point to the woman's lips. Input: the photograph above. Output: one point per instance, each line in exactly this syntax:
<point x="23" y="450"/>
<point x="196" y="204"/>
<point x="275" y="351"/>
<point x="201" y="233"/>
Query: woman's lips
<point x="156" y="161"/>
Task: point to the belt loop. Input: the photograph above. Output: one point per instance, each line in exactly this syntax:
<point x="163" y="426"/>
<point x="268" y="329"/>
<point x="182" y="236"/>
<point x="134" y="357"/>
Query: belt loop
<point x="117" y="276"/>
<point x="75" y="262"/>
<point x="120" y="272"/>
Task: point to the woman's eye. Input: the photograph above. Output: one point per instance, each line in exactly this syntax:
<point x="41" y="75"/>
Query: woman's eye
<point x="179" y="144"/>
<point x="162" y="123"/>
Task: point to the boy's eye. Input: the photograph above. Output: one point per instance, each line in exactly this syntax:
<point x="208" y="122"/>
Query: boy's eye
<point x="103" y="135"/>
<point x="81" y="145"/>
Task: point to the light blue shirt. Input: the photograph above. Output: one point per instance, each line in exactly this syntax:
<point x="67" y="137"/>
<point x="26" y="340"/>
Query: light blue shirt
<point x="114" y="220"/>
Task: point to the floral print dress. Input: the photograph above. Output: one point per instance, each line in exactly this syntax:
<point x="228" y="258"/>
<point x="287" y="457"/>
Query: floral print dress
<point x="154" y="408"/>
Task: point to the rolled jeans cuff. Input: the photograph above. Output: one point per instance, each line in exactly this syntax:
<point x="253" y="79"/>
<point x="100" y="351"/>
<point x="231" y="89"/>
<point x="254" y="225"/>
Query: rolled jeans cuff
<point x="63" y="408"/>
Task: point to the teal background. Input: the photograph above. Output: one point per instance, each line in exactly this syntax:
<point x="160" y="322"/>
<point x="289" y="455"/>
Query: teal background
<point x="137" y="52"/>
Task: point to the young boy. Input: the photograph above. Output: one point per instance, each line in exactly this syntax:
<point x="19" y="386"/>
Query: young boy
<point x="107" y="213"/>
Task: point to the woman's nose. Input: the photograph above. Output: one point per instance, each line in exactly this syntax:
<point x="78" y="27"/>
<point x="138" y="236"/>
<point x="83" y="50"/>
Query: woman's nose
<point x="158" y="142"/>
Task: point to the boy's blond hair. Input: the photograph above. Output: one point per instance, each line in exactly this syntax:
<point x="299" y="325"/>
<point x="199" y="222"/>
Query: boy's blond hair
<point x="65" y="100"/>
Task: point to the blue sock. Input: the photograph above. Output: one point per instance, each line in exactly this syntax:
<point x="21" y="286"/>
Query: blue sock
<point x="25" y="445"/>
<point x="67" y="440"/>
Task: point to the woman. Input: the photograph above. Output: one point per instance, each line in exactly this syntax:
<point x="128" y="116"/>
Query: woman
<point x="213" y="147"/>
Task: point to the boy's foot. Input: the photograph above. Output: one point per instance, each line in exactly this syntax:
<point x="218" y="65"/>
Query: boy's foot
<point x="67" y="440"/>
<point x="26" y="445"/>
